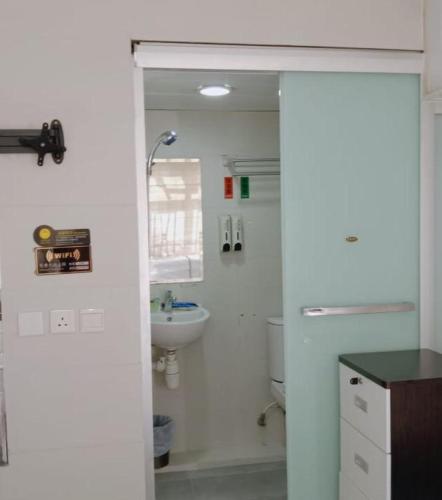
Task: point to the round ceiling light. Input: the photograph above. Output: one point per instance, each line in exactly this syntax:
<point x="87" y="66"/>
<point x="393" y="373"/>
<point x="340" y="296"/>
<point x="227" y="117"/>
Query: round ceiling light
<point x="214" y="90"/>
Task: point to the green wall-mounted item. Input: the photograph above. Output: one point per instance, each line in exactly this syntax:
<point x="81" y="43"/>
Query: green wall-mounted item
<point x="245" y="187"/>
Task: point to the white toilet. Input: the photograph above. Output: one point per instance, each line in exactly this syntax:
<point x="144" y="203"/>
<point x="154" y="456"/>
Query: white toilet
<point x="275" y="340"/>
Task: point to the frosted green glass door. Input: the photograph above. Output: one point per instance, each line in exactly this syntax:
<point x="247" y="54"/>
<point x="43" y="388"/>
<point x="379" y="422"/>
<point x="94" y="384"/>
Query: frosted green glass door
<point x="350" y="168"/>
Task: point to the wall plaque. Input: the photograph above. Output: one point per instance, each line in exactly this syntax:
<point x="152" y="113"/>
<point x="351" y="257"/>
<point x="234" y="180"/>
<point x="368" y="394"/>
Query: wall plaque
<point x="63" y="260"/>
<point x="46" y="236"/>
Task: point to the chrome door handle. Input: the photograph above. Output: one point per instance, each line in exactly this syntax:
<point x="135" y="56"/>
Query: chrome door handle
<point x="364" y="309"/>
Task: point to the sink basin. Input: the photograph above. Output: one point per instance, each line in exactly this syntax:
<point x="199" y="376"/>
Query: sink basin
<point x="176" y="329"/>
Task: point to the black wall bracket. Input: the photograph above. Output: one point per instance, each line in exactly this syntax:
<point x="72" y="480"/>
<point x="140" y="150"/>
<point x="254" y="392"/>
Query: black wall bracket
<point x="48" y="140"/>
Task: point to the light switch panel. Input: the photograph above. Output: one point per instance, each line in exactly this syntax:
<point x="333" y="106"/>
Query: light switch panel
<point x="91" y="320"/>
<point x="30" y="324"/>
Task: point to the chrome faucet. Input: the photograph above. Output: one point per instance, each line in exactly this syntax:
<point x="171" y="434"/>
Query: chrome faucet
<point x="169" y="299"/>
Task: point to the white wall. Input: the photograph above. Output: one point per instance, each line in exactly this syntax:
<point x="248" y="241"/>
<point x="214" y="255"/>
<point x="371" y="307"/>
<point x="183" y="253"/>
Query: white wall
<point x="437" y="336"/>
<point x="393" y="24"/>
<point x="225" y="382"/>
<point x="432" y="163"/>
<point x="75" y="415"/>
<point x="433" y="45"/>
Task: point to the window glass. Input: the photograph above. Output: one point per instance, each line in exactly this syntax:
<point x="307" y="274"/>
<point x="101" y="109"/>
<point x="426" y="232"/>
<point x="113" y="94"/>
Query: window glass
<point x="175" y="221"/>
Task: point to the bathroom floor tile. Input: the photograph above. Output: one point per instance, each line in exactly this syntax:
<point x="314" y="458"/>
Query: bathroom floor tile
<point x="269" y="484"/>
<point x="247" y="482"/>
<point x="238" y="469"/>
<point x="174" y="490"/>
<point x="232" y="487"/>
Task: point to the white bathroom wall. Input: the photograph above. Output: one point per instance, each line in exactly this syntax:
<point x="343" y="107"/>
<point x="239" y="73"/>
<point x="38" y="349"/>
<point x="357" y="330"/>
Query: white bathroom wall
<point x="224" y="376"/>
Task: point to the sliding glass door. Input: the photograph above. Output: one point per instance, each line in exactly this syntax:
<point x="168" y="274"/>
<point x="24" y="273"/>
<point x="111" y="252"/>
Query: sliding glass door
<point x="350" y="184"/>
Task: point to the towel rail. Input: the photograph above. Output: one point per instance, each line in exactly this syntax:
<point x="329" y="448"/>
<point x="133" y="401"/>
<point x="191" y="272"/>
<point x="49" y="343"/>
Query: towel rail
<point x="364" y="309"/>
<point x="251" y="167"/>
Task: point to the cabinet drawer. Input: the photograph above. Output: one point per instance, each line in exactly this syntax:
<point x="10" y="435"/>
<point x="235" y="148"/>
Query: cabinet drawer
<point x="348" y="491"/>
<point x="366" y="406"/>
<point x="367" y="466"/>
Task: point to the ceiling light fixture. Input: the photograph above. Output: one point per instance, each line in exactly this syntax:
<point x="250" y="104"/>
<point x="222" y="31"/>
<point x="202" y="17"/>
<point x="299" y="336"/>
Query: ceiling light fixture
<point x="214" y="90"/>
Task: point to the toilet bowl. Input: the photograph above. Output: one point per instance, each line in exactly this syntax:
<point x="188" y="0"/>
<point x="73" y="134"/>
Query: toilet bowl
<point x="275" y="342"/>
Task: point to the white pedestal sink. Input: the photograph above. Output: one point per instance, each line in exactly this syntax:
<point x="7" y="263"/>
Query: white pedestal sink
<point x="176" y="329"/>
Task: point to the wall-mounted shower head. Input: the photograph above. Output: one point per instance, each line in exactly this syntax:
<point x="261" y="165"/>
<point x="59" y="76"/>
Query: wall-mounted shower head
<point x="167" y="138"/>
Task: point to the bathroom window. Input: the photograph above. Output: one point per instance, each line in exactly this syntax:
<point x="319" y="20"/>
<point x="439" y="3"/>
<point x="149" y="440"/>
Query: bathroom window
<point x="175" y="221"/>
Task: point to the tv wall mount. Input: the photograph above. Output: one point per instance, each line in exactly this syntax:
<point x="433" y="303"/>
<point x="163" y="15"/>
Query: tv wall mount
<point x="48" y="140"/>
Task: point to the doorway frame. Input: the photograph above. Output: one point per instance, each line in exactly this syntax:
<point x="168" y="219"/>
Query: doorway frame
<point x="188" y="56"/>
<point x="430" y="110"/>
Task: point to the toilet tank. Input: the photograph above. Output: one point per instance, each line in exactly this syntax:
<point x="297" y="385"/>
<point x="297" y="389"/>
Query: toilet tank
<point x="275" y="340"/>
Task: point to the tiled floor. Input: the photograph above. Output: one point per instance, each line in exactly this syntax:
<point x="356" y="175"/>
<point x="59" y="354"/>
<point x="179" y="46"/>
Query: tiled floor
<point x="246" y="482"/>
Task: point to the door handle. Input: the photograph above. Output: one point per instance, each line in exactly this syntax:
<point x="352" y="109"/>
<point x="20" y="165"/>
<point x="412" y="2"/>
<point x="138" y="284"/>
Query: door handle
<point x="361" y="463"/>
<point x="361" y="404"/>
<point x="363" y="309"/>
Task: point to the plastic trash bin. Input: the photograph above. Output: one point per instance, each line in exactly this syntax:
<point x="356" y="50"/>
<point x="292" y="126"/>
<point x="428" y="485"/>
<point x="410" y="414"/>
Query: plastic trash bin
<point x="163" y="431"/>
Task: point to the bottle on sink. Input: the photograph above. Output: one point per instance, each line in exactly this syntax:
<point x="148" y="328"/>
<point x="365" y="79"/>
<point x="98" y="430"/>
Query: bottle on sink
<point x="155" y="305"/>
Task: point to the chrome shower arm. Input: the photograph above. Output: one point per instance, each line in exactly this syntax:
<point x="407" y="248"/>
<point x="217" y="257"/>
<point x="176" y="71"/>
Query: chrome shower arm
<point x="167" y="138"/>
<point x="150" y="161"/>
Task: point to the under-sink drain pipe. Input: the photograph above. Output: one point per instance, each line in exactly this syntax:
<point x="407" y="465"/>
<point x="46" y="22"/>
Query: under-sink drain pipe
<point x="169" y="365"/>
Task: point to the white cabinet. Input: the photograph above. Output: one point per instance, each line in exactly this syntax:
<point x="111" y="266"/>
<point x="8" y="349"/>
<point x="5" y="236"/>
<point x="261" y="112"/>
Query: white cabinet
<point x="348" y="490"/>
<point x="365" y="438"/>
<point x="367" y="465"/>
<point x="366" y="406"/>
<point x="391" y="432"/>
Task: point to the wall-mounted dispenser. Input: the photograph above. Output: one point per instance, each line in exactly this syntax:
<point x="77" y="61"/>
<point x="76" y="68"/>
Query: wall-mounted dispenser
<point x="237" y="233"/>
<point x="225" y="233"/>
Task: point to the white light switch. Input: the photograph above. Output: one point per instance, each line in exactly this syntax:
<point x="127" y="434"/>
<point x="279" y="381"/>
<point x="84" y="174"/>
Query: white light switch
<point x="91" y="320"/>
<point x="30" y="324"/>
<point x="63" y="321"/>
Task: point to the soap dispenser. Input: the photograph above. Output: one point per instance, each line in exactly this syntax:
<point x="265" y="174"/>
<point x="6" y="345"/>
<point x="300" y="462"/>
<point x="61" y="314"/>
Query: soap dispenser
<point x="237" y="236"/>
<point x="225" y="233"/>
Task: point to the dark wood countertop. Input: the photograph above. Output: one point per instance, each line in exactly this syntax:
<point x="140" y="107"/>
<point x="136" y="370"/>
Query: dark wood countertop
<point x="388" y="368"/>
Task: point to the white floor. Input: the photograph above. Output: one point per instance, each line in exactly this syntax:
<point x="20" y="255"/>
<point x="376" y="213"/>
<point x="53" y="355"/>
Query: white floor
<point x="247" y="482"/>
<point x="222" y="457"/>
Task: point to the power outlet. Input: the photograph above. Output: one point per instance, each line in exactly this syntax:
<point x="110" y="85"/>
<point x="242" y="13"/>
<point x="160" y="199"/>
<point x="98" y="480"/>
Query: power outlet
<point x="63" y="321"/>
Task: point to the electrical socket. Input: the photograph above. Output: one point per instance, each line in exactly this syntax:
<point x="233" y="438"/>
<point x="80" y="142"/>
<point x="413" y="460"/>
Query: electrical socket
<point x="63" y="321"/>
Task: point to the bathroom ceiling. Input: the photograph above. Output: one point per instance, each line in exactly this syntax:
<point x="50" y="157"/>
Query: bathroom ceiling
<point x="178" y="90"/>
